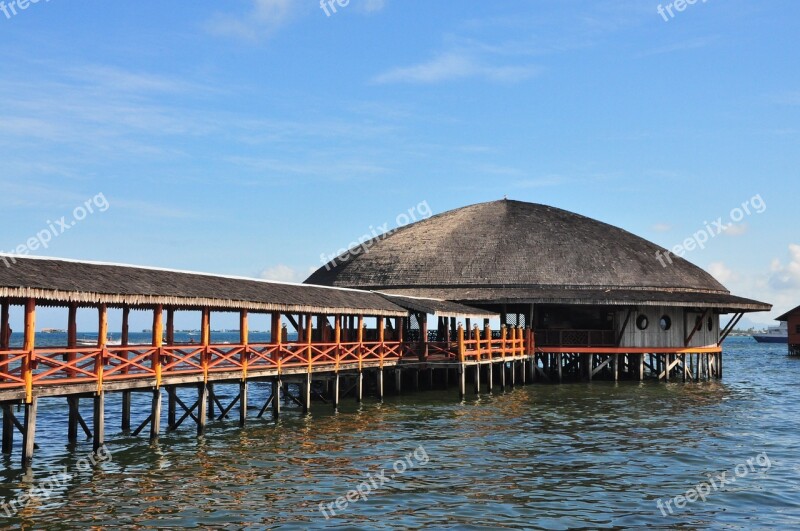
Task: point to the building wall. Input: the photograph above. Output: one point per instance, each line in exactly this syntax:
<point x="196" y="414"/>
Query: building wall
<point x="653" y="336"/>
<point x="794" y="329"/>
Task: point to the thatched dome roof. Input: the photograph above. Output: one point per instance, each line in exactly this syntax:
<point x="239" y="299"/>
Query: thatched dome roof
<point x="505" y="251"/>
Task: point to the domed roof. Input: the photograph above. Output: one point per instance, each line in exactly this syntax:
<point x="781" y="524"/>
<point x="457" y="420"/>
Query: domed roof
<point x="506" y="247"/>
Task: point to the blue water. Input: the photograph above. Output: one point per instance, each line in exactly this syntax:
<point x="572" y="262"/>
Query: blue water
<point x="593" y="456"/>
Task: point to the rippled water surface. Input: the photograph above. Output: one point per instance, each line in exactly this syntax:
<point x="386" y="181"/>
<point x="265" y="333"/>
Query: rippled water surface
<point x="578" y="455"/>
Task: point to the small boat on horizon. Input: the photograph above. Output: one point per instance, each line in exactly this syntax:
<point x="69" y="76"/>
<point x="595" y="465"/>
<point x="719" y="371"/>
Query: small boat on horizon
<point x="774" y="334"/>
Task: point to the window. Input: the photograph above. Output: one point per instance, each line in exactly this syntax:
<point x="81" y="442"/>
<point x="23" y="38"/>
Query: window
<point x="666" y="323"/>
<point x="642" y="322"/>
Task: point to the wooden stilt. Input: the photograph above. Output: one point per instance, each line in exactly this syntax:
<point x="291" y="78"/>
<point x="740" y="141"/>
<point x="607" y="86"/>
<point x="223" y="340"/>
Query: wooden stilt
<point x="204" y="398"/>
<point x="398" y="381"/>
<point x="126" y="411"/>
<point x="73" y="404"/>
<point x="29" y="432"/>
<point x="446" y="375"/>
<point x="416" y="379"/>
<point x="359" y="386"/>
<point x="379" y="383"/>
<point x="171" y="407"/>
<point x="477" y="378"/>
<point x="462" y="376"/>
<point x="242" y="402"/>
<point x="336" y="390"/>
<point x="306" y="388"/>
<point x="210" y="394"/>
<point x="277" y="385"/>
<point x="615" y="366"/>
<point x="489" y="377"/>
<point x="99" y="422"/>
<point x="503" y="376"/>
<point x="155" y="415"/>
<point x="430" y="378"/>
<point x="523" y="370"/>
<point x="641" y="367"/>
<point x="8" y="429"/>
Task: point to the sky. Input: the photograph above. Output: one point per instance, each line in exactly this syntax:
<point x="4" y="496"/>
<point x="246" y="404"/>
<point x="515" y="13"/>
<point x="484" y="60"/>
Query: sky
<point x="252" y="137"/>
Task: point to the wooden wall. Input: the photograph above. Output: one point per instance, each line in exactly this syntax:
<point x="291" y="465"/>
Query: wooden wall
<point x="654" y="336"/>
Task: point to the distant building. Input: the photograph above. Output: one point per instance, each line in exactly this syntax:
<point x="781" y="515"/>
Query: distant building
<point x="792" y="319"/>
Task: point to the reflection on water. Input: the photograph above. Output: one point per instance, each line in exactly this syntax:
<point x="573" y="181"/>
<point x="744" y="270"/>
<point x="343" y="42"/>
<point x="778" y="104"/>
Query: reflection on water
<point x="593" y="455"/>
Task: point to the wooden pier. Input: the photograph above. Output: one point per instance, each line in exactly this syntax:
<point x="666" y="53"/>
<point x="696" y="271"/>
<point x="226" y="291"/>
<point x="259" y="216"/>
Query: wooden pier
<point x="341" y="337"/>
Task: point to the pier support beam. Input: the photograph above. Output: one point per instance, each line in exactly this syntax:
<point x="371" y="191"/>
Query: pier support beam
<point x="503" y="376"/>
<point x="462" y="377"/>
<point x="398" y="381"/>
<point x="242" y="403"/>
<point x="73" y="416"/>
<point x="359" y="386"/>
<point x="379" y="383"/>
<point x="204" y="397"/>
<point x="8" y="429"/>
<point x="489" y="380"/>
<point x="29" y="432"/>
<point x="277" y="385"/>
<point x="126" y="411"/>
<point x="155" y="414"/>
<point x="336" y="391"/>
<point x="477" y="378"/>
<point x="306" y="390"/>
<point x="171" y="407"/>
<point x="99" y="421"/>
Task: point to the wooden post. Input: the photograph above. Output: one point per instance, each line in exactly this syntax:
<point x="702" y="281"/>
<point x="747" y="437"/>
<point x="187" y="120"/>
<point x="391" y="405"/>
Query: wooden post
<point x="170" y="326"/>
<point x="172" y="409"/>
<point x="336" y="390"/>
<point x="158" y="342"/>
<point x="29" y="345"/>
<point x="126" y="395"/>
<point x="29" y="433"/>
<point x="155" y="414"/>
<point x="379" y="382"/>
<point x="398" y="380"/>
<point x="244" y="340"/>
<point x="72" y="336"/>
<point x="276" y="396"/>
<point x="98" y="440"/>
<point x="360" y="375"/>
<point x="8" y="429"/>
<point x="202" y="405"/>
<point x="307" y="388"/>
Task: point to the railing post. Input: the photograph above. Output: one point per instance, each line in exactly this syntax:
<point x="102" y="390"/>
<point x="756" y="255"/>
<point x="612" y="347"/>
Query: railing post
<point x="461" y="347"/>
<point x="487" y="333"/>
<point x="477" y="333"/>
<point x="381" y="338"/>
<point x="244" y="340"/>
<point x="337" y="338"/>
<point x="423" y="337"/>
<point x="309" y="330"/>
<point x="102" y="339"/>
<point x="205" y="339"/>
<point x="29" y="345"/>
<point x="275" y="338"/>
<point x="158" y="341"/>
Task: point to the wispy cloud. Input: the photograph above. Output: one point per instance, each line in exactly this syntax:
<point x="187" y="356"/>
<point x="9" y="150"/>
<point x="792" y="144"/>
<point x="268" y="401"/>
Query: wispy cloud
<point x="662" y="227"/>
<point x="786" y="277"/>
<point x="451" y="66"/>
<point x="681" y="46"/>
<point x="261" y="21"/>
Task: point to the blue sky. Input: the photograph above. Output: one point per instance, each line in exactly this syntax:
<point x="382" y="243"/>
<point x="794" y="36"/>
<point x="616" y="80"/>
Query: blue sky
<point x="250" y="137"/>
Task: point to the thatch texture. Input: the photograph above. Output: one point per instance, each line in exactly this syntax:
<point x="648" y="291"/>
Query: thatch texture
<point x="512" y="251"/>
<point x="440" y="308"/>
<point x="58" y="282"/>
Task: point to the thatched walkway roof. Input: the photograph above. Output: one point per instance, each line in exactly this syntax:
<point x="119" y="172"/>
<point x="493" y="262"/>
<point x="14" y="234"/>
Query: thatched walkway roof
<point x="60" y="282"/>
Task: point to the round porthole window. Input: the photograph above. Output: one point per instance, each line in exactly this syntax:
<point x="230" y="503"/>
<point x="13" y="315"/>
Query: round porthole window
<point x="642" y="322"/>
<point x="666" y="323"/>
<point x="710" y="324"/>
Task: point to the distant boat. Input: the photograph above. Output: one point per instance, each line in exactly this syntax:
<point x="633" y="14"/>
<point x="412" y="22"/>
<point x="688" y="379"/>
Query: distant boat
<point x="775" y="334"/>
<point x="53" y="331"/>
<point x="92" y="342"/>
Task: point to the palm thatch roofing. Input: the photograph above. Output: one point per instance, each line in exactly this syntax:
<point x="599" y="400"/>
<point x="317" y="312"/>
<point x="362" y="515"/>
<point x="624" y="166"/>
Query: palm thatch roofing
<point x="440" y="308"/>
<point x="517" y="252"/>
<point x="56" y="282"/>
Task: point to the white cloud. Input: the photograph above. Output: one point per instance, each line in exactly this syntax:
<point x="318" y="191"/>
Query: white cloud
<point x="736" y="229"/>
<point x="454" y="66"/>
<point x="371" y="6"/>
<point x="786" y="277"/>
<point x="722" y="272"/>
<point x="265" y="17"/>
<point x="662" y="227"/>
<point x="281" y="273"/>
